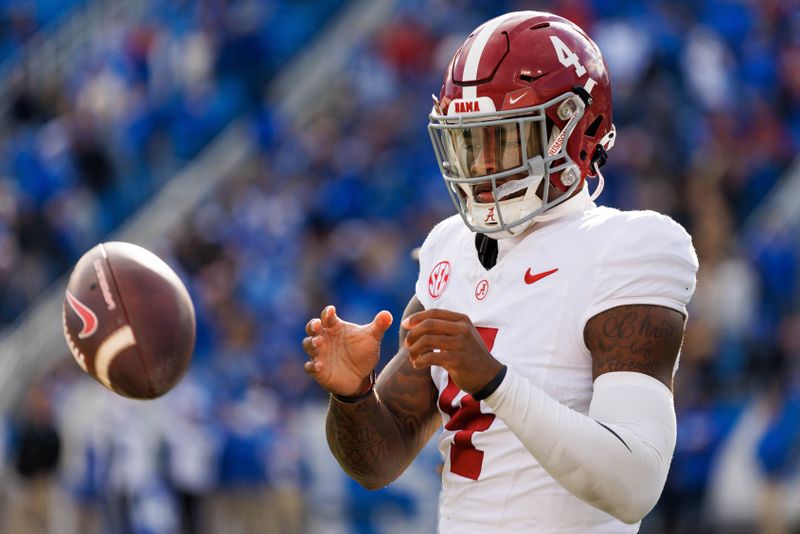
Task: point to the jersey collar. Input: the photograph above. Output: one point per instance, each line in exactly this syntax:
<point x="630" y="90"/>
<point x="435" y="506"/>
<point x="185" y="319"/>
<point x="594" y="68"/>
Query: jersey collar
<point x="579" y="202"/>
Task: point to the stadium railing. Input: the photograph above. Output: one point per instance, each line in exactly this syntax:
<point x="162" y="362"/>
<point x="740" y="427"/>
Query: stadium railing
<point x="47" y="53"/>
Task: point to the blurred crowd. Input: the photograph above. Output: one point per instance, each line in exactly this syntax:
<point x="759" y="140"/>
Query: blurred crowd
<point x="81" y="151"/>
<point x="21" y="20"/>
<point x="707" y="106"/>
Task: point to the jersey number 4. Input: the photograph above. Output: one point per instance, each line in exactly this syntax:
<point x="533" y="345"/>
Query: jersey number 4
<point x="466" y="418"/>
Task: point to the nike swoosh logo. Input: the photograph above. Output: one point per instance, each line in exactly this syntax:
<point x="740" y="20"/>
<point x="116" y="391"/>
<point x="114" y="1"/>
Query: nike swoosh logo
<point x="512" y="100"/>
<point x="87" y="316"/>
<point x="531" y="278"/>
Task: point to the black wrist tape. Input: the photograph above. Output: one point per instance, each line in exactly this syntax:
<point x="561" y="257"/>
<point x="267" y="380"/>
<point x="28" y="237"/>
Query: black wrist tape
<point x="358" y="398"/>
<point x="492" y="386"/>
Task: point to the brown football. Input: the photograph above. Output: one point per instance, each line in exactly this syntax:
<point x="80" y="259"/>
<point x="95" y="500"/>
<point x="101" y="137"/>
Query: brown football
<point x="128" y="320"/>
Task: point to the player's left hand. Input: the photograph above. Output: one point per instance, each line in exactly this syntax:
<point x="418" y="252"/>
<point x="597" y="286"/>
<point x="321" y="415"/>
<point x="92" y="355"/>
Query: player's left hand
<point x="449" y="340"/>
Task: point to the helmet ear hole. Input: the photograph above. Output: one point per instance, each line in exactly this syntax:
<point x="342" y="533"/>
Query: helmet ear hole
<point x="591" y="131"/>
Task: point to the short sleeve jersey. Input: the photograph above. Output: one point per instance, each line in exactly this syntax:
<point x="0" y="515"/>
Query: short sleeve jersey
<point x="531" y="309"/>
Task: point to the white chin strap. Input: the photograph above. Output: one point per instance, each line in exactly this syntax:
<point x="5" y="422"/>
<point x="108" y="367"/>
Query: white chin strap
<point x="600" y="183"/>
<point x="484" y="214"/>
<point x="607" y="142"/>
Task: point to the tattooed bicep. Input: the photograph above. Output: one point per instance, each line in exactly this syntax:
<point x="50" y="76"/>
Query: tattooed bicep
<point x="639" y="338"/>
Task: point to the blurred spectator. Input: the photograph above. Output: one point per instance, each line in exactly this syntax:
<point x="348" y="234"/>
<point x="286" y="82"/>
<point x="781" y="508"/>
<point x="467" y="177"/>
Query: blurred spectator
<point x="20" y="21"/>
<point x="134" y="491"/>
<point x="192" y="444"/>
<point x="35" y="456"/>
<point x="244" y="502"/>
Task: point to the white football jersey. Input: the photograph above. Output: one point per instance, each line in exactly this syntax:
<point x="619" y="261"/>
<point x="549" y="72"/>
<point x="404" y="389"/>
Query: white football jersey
<point x="531" y="309"/>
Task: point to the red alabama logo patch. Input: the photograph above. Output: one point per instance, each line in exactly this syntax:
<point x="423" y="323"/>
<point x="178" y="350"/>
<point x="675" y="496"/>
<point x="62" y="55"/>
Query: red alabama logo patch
<point x="86" y="315"/>
<point x="438" y="279"/>
<point x="482" y="289"/>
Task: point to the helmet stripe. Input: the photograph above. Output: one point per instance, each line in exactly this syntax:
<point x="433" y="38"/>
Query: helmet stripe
<point x="470" y="74"/>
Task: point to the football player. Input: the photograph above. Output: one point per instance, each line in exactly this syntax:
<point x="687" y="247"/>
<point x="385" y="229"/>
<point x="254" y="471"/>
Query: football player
<point x="544" y="332"/>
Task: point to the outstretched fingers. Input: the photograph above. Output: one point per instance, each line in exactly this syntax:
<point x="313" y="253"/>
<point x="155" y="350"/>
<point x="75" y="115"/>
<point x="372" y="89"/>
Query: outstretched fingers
<point x="380" y="324"/>
<point x="312" y="367"/>
<point x="329" y="318"/>
<point x="311" y="344"/>
<point x="313" y="326"/>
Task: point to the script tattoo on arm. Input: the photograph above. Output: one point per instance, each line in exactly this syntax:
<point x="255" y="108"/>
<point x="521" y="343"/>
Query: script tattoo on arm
<point x="375" y="440"/>
<point x="640" y="338"/>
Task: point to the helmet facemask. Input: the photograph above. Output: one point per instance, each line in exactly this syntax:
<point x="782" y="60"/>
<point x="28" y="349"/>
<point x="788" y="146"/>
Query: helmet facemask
<point x="499" y="166"/>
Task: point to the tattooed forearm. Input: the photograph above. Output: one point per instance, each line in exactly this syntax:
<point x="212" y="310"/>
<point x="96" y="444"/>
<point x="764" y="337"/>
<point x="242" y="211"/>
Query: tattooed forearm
<point x="364" y="439"/>
<point x="375" y="440"/>
<point x="644" y="339"/>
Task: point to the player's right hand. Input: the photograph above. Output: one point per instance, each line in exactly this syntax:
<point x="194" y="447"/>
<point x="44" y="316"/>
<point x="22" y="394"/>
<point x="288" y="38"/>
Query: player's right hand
<point x="343" y="354"/>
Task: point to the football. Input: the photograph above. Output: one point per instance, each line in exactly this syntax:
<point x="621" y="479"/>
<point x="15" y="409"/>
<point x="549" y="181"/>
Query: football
<point x="128" y="320"/>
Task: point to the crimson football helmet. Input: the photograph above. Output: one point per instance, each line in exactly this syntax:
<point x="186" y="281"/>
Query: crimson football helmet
<point x="525" y="107"/>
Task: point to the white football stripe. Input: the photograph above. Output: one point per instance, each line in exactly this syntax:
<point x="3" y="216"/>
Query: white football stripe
<point x="76" y="353"/>
<point x="120" y="340"/>
<point x="470" y="74"/>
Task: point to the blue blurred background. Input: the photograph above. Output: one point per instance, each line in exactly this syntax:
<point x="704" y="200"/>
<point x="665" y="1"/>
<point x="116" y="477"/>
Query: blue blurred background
<point x="275" y="153"/>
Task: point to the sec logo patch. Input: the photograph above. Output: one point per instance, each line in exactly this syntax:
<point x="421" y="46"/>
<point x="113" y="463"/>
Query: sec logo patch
<point x="438" y="279"/>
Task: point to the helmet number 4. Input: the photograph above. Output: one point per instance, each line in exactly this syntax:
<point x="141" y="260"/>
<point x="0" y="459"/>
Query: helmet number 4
<point x="567" y="57"/>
